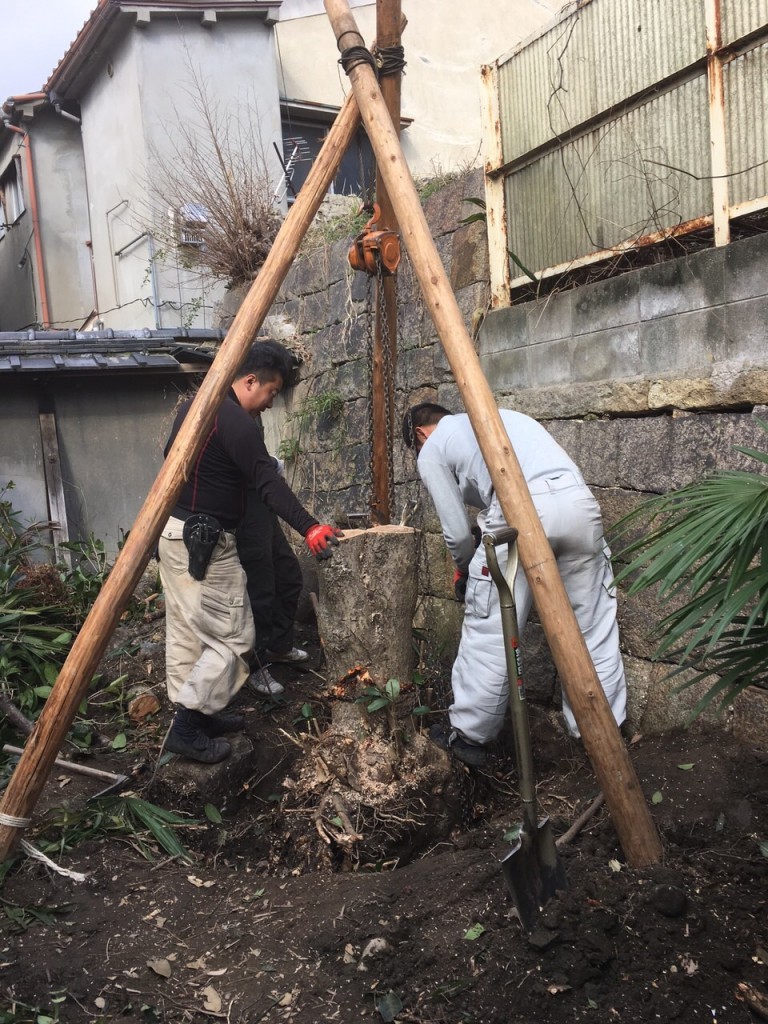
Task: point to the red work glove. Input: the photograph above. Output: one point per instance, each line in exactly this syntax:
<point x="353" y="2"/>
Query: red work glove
<point x="319" y="539"/>
<point x="460" y="585"/>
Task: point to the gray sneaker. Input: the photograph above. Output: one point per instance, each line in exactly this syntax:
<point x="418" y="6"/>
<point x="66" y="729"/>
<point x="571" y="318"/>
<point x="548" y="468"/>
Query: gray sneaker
<point x="265" y="684"/>
<point x="295" y="656"/>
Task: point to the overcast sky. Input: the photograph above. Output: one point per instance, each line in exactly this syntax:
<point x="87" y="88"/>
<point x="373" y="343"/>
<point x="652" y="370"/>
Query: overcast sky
<point x="38" y="34"/>
<point x="35" y="38"/>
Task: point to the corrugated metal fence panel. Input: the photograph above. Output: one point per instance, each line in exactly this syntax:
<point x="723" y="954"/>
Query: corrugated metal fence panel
<point x="594" y="59"/>
<point x="612" y="184"/>
<point x="746" y="100"/>
<point x="740" y="17"/>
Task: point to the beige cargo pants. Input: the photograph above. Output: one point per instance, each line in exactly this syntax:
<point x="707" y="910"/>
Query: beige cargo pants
<point x="208" y="624"/>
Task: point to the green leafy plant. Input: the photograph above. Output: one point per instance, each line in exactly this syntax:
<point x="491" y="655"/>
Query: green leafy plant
<point x="86" y="577"/>
<point x="41" y="607"/>
<point x="327" y="405"/>
<point x="23" y="918"/>
<point x="33" y="641"/>
<point x="482" y="215"/>
<point x="421" y="708"/>
<point x="16" y="1012"/>
<point x="127" y="816"/>
<point x="706" y="545"/>
<point x="289" y="449"/>
<point x="308" y="718"/>
<point x="375" y="698"/>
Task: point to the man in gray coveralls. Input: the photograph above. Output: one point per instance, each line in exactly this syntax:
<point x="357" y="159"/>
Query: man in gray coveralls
<point x="452" y="469"/>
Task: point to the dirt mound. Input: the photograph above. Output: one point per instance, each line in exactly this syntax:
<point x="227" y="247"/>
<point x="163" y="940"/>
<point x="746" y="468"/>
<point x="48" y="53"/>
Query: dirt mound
<point x="259" y="927"/>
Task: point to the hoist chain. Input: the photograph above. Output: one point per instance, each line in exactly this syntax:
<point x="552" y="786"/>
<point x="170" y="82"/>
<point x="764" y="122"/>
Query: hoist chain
<point x="388" y="375"/>
<point x="369" y="409"/>
<point x="379" y="307"/>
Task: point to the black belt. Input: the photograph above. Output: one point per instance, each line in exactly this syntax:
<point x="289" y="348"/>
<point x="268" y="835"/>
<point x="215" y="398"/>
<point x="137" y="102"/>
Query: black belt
<point x="184" y="513"/>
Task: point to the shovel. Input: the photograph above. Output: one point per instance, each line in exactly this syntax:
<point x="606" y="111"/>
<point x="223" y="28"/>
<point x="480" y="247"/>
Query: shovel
<point x="533" y="870"/>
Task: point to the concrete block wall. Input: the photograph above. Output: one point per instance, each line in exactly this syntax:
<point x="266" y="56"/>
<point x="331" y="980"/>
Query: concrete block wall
<point x="648" y="379"/>
<point x="686" y="334"/>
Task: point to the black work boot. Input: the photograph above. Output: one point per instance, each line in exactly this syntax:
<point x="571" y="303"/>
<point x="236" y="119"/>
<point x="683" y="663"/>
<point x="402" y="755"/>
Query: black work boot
<point x="223" y="722"/>
<point x="188" y="738"/>
<point x="474" y="754"/>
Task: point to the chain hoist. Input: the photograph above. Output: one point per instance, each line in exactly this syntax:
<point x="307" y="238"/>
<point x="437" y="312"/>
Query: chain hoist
<point x="375" y="250"/>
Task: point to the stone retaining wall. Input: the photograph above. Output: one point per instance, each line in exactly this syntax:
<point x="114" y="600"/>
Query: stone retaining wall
<point x="648" y="379"/>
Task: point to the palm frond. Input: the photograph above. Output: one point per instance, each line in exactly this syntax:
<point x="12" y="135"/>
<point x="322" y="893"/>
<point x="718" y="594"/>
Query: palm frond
<point x="706" y="547"/>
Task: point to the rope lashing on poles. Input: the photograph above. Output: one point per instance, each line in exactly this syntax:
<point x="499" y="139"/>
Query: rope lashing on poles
<point x="354" y="56"/>
<point x="390" y="60"/>
<point x="385" y="60"/>
<point x="12" y="822"/>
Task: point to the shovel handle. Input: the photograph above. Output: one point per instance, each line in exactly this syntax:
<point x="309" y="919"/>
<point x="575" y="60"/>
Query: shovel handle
<point x="504" y="535"/>
<point x="518" y="709"/>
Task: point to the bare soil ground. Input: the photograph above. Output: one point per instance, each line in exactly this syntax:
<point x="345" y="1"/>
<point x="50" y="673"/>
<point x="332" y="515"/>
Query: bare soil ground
<point x="263" y="926"/>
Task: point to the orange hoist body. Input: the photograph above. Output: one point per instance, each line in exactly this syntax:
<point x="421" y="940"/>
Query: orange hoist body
<point x="373" y="247"/>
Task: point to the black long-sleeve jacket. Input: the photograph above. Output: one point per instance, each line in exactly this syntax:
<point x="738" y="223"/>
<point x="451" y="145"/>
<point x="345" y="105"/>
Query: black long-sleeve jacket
<point x="232" y="458"/>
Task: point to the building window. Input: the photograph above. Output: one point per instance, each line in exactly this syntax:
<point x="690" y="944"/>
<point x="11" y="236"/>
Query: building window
<point x="11" y="195"/>
<point x="303" y="138"/>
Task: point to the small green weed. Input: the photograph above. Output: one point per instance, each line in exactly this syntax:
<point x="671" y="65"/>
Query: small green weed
<point x="327" y="405"/>
<point x="437" y="183"/>
<point x="289" y="449"/>
<point x="22" y="1013"/>
<point x="375" y="697"/>
<point x="324" y="233"/>
<point x="308" y="719"/>
<point x="23" y="918"/>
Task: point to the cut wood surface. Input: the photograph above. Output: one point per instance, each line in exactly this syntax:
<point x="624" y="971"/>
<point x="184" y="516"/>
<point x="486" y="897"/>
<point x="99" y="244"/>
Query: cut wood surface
<point x="602" y="740"/>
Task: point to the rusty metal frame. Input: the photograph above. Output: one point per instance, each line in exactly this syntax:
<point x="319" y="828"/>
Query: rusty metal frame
<point x="710" y="66"/>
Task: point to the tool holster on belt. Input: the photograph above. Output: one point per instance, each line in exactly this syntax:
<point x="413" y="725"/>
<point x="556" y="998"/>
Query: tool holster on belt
<point x="201" y="535"/>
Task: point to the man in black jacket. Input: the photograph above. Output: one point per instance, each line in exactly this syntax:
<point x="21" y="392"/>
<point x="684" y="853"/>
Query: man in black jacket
<point x="275" y="581"/>
<point x="209" y="626"/>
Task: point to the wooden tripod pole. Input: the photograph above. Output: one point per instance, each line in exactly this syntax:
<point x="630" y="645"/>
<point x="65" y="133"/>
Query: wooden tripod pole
<point x="43" y="745"/>
<point x="602" y="740"/>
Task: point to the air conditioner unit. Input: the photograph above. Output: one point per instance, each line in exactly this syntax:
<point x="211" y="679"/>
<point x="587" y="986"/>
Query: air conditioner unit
<point x="190" y="236"/>
<point x="192" y="220"/>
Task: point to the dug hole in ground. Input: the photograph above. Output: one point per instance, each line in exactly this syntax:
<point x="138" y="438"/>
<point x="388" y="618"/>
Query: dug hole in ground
<point x="303" y="903"/>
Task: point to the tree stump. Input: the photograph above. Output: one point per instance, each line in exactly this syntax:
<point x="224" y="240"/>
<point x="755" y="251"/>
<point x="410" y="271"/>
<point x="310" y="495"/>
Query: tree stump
<point x="367" y="600"/>
<point x="379" y="790"/>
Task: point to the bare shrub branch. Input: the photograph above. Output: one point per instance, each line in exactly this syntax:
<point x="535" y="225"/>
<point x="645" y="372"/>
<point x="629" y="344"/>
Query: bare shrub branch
<point x="211" y="197"/>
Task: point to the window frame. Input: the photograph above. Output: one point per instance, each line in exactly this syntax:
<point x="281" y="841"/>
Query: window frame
<point x="12" y="200"/>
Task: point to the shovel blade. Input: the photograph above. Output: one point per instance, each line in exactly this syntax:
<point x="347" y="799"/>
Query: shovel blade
<point x="533" y="872"/>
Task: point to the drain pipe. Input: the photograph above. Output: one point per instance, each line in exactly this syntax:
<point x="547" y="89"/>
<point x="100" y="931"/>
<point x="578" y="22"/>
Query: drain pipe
<point x="26" y="145"/>
<point x="153" y="280"/>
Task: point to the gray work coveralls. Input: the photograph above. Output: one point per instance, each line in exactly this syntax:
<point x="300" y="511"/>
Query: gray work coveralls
<point x="452" y="468"/>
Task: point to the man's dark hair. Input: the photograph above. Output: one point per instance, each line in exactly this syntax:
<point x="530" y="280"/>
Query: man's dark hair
<point x="422" y="415"/>
<point x="266" y="360"/>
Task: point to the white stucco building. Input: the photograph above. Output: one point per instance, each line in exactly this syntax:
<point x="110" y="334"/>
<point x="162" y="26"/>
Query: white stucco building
<point x="117" y="111"/>
<point x="87" y="242"/>
<point x="445" y="44"/>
